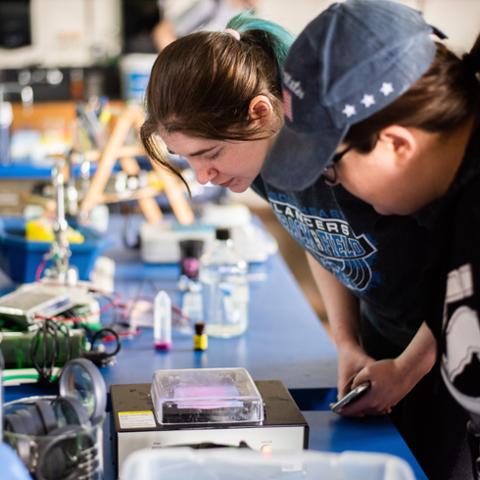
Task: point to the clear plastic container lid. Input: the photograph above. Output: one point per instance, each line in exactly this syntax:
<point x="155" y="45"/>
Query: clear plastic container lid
<point x="206" y="396"/>
<point x="244" y="464"/>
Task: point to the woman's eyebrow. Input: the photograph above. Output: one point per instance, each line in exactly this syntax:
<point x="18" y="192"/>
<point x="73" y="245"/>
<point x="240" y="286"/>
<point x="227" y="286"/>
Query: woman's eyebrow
<point x="194" y="154"/>
<point x="201" y="152"/>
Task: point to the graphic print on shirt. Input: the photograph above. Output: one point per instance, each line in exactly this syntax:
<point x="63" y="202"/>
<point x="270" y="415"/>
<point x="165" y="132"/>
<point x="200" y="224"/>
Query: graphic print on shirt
<point x="332" y="242"/>
<point x="461" y="336"/>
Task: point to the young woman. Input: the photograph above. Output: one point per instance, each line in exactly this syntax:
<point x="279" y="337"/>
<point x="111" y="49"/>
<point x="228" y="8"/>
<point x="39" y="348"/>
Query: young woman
<point x="216" y="99"/>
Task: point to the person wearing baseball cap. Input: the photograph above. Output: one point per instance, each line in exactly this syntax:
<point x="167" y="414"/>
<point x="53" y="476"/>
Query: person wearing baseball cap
<point x="375" y="106"/>
<point x="353" y="60"/>
<point x="215" y="98"/>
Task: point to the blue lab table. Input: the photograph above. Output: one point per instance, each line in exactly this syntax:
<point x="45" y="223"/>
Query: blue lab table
<point x="284" y="341"/>
<point x="27" y="171"/>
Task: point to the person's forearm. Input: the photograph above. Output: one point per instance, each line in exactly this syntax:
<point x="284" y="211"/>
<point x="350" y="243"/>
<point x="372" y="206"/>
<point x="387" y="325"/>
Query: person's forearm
<point x="419" y="356"/>
<point x="340" y="304"/>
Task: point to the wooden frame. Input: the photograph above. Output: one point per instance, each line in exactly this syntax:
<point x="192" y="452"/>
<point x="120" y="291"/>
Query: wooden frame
<point x="115" y="148"/>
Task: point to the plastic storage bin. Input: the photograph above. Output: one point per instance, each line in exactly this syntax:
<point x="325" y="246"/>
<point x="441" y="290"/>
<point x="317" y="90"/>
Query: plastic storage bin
<point x="20" y="259"/>
<point x="135" y="71"/>
<point x="219" y="464"/>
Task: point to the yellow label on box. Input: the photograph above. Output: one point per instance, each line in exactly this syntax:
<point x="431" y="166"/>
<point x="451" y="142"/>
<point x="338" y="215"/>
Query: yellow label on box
<point x="137" y="419"/>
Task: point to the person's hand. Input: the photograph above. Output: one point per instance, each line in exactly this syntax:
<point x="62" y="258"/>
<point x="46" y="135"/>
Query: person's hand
<point x="388" y="385"/>
<point x="351" y="360"/>
<point x="163" y="34"/>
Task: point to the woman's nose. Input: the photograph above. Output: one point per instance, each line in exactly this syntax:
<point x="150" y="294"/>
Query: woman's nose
<point x="205" y="175"/>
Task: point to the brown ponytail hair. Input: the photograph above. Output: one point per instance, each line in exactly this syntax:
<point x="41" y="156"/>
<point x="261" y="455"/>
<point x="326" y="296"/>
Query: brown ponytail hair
<point x="201" y="85"/>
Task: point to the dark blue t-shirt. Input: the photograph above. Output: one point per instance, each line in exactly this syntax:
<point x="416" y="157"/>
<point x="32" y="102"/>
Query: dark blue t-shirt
<point x="381" y="259"/>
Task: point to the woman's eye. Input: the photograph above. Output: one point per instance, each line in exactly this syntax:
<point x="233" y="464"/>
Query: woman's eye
<point x="213" y="156"/>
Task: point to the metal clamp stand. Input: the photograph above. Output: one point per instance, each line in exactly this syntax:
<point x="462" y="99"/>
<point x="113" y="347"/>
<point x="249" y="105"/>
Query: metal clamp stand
<point x="60" y="252"/>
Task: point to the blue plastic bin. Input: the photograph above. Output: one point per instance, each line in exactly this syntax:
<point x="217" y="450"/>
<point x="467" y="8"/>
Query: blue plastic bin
<point x="20" y="259"/>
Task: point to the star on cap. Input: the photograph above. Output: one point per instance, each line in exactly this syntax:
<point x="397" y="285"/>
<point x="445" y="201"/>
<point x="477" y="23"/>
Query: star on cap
<point x="368" y="100"/>
<point x="349" y="110"/>
<point x="386" y="88"/>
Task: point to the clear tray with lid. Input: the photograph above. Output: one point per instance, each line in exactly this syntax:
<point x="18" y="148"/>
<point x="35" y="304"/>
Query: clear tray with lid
<point x="206" y="396"/>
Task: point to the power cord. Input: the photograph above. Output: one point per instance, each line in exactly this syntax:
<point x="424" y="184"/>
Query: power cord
<point x="98" y="356"/>
<point x="48" y="339"/>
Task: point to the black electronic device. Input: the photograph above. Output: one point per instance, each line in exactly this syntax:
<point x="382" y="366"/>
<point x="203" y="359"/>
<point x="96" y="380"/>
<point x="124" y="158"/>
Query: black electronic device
<point x="351" y="396"/>
<point x="135" y="425"/>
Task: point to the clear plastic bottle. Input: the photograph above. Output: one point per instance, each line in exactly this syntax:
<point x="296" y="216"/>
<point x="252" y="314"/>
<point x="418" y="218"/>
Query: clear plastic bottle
<point x="191" y="307"/>
<point x="225" y="291"/>
<point x="6" y="117"/>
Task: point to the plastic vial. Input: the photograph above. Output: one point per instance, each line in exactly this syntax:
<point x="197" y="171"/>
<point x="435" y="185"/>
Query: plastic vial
<point x="200" y="339"/>
<point x="225" y="291"/>
<point x="190" y="252"/>
<point x="162" y="321"/>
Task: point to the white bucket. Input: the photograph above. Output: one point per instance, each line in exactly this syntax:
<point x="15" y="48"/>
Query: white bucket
<point x="135" y="71"/>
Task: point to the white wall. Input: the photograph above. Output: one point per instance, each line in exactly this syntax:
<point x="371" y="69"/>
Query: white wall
<point x="68" y="33"/>
<point x="459" y="19"/>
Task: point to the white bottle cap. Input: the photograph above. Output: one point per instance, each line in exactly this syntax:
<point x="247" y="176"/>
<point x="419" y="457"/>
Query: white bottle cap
<point x="6" y="114"/>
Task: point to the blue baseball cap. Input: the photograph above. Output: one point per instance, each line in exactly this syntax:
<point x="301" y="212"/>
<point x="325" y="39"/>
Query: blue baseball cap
<point x="351" y="61"/>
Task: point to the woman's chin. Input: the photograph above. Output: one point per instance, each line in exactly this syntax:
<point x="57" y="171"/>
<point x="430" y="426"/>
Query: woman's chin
<point x="238" y="188"/>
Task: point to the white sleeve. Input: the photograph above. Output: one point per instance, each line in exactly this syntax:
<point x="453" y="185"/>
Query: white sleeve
<point x="188" y="16"/>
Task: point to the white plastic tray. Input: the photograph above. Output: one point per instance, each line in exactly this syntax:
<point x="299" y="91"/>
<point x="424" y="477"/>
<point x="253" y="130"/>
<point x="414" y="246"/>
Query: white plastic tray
<point x="221" y="464"/>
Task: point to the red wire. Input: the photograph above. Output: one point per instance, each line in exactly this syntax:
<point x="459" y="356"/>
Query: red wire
<point x="129" y="333"/>
<point x="40" y="268"/>
<point x="124" y="308"/>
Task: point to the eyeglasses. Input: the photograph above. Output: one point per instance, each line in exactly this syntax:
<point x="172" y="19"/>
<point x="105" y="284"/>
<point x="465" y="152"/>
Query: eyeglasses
<point x="329" y="174"/>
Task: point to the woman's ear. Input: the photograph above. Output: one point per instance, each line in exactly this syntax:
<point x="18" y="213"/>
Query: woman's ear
<point x="260" y="109"/>
<point x="400" y="142"/>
